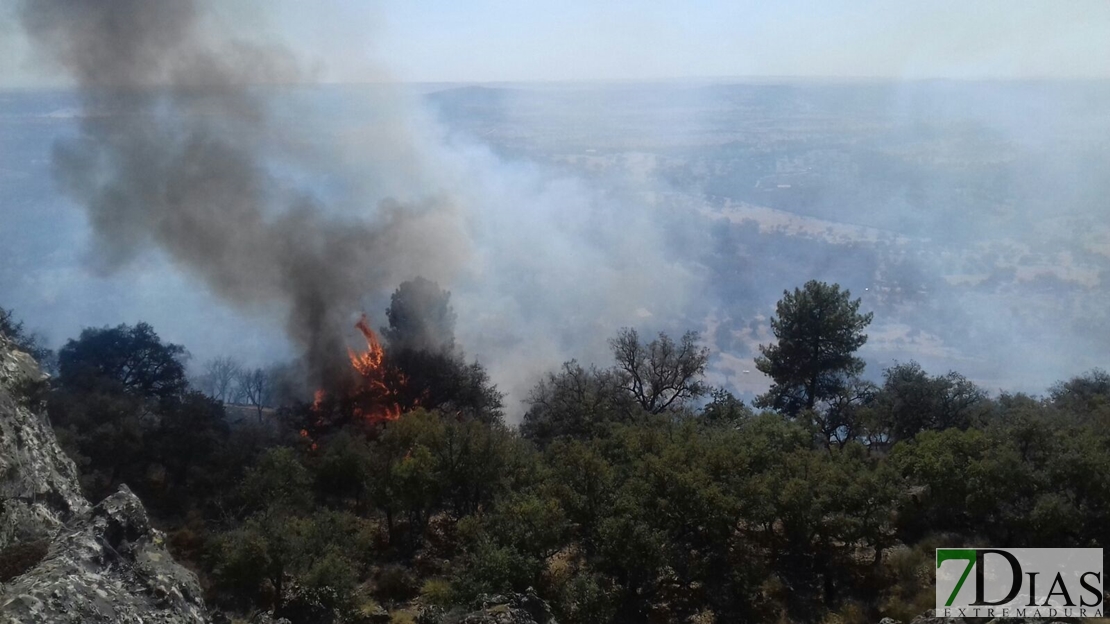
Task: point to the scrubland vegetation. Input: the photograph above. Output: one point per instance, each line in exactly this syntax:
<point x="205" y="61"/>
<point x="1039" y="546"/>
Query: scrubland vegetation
<point x="631" y="492"/>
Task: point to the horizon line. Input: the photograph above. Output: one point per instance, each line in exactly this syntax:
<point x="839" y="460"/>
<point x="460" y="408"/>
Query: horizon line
<point x="750" y="78"/>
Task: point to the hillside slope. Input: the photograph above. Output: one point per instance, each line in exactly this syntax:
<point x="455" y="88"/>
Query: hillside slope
<point x="62" y="559"/>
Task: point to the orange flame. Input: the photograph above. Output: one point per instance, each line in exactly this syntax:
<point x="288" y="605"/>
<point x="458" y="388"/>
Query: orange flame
<point x="375" y="378"/>
<point x="371" y="363"/>
<point x="376" y="395"/>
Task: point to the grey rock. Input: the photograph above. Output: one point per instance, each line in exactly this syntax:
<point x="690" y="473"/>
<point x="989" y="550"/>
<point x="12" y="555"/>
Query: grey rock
<point x="526" y="608"/>
<point x="268" y="618"/>
<point x="379" y="616"/>
<point x="102" y="564"/>
<point x="38" y="483"/>
<point x="430" y="614"/>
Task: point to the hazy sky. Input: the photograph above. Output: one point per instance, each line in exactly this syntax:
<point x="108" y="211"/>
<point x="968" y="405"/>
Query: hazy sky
<point x="487" y="40"/>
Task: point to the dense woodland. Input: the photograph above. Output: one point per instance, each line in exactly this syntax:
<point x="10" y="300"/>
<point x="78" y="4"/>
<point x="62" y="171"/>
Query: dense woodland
<point x="629" y="493"/>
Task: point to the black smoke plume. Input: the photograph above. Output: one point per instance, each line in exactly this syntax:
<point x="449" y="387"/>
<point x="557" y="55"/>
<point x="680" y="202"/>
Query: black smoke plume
<point x="175" y="153"/>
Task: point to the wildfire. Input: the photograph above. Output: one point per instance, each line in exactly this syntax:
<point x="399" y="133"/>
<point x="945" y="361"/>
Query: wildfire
<point x="380" y="385"/>
<point x="376" y="394"/>
<point x="371" y="363"/>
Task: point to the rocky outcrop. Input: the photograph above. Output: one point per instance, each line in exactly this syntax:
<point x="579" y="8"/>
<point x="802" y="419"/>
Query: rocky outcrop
<point x="107" y="565"/>
<point x="64" y="560"/>
<point x="38" y="482"/>
<point x="526" y="608"/>
<point x="513" y="608"/>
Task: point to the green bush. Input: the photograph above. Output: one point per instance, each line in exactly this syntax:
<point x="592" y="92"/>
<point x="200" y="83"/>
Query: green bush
<point x="436" y="592"/>
<point x="587" y="598"/>
<point x="396" y="584"/>
<point x="335" y="571"/>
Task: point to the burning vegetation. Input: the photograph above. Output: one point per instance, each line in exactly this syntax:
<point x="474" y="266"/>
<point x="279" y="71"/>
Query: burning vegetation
<point x="382" y="386"/>
<point x="416" y="366"/>
<point x="374" y="391"/>
<point x="620" y="499"/>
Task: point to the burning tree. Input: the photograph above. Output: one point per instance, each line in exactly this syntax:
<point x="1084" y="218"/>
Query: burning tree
<point x="380" y="388"/>
<point x="421" y="347"/>
<point x="373" y="393"/>
<point x="420" y="366"/>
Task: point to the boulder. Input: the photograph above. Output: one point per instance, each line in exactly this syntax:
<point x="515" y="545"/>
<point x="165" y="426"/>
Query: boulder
<point x="526" y="608"/>
<point x="38" y="483"/>
<point x="63" y="559"/>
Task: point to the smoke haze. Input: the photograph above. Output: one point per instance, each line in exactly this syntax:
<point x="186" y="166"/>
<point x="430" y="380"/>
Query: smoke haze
<point x="179" y="149"/>
<point x="968" y="216"/>
<point x="171" y="154"/>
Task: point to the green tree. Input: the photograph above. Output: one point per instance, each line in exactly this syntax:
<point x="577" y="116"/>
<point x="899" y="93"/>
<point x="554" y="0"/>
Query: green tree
<point x="584" y="483"/>
<point x="819" y="328"/>
<point x="911" y="401"/>
<point x="509" y="548"/>
<point x="576" y="402"/>
<point x="134" y="358"/>
<point x="186" y="436"/>
<point x="420" y="318"/>
<point x="444" y="381"/>
<point x="870" y="494"/>
<point x="121" y="405"/>
<point x="432" y="372"/>
<point x="273" y="540"/>
<point x="661" y="375"/>
<point x="844" y="418"/>
<point x="725" y="410"/>
<point x="973" y="482"/>
<point x="276" y="484"/>
<point x="105" y="433"/>
<point x="427" y="462"/>
<point x="1085" y="395"/>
